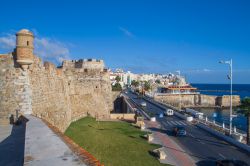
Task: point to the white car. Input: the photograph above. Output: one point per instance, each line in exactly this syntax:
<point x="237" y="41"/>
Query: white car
<point x="169" y="112"/>
<point x="143" y="104"/>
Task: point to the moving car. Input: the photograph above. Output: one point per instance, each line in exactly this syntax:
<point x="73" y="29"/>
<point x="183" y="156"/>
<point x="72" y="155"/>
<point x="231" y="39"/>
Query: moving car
<point x="179" y="131"/>
<point x="169" y="112"/>
<point x="143" y="104"/>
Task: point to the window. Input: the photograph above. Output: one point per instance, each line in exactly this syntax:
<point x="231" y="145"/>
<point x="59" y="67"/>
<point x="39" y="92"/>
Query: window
<point x="28" y="43"/>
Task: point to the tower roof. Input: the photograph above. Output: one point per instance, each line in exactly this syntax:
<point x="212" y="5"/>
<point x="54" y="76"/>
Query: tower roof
<point x="25" y="31"/>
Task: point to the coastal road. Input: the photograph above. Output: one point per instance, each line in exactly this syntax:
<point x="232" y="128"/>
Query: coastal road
<point x="203" y="147"/>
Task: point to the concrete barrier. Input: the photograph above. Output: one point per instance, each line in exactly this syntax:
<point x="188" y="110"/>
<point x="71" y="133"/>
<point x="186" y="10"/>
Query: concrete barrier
<point x="144" y="114"/>
<point x="176" y="113"/>
<point x="130" y="116"/>
<point x="153" y="119"/>
<point x="224" y="137"/>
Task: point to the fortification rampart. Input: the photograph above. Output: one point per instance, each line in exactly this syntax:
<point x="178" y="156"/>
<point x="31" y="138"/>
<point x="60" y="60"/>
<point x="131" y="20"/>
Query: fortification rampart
<point x="190" y="100"/>
<point x="58" y="95"/>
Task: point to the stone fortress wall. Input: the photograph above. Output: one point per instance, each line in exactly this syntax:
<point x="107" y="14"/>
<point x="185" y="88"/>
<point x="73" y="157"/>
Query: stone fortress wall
<point x="200" y="100"/>
<point x="58" y="95"/>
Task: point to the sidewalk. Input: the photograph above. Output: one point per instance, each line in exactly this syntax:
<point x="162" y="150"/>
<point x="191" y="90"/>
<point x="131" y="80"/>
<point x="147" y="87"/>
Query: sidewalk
<point x="175" y="154"/>
<point x="44" y="147"/>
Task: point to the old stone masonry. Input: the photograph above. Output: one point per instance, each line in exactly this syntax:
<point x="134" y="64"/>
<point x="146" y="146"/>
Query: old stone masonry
<point x="59" y="95"/>
<point x="24" y="92"/>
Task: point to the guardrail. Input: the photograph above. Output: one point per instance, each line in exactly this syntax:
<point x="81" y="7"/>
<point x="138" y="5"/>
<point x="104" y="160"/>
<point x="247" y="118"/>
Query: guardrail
<point x="222" y="128"/>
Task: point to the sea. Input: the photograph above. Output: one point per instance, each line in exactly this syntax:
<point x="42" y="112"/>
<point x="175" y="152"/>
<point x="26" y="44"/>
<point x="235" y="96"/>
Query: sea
<point x="222" y="115"/>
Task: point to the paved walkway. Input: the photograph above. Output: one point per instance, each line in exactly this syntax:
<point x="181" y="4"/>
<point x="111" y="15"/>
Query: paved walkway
<point x="175" y="154"/>
<point x="44" y="147"/>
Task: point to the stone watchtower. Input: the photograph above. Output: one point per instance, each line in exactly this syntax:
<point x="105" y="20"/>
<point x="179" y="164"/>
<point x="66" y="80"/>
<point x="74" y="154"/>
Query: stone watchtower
<point x="24" y="48"/>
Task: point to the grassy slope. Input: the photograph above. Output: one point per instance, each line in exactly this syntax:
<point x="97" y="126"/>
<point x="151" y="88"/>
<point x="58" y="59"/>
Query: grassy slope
<point x="113" y="143"/>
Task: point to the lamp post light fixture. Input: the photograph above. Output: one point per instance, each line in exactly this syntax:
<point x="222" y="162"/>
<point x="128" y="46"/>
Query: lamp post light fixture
<point x="230" y="77"/>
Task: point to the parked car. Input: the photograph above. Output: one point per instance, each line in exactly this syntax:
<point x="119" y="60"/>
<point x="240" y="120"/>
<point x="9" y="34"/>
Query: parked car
<point x="143" y="104"/>
<point x="169" y="112"/>
<point x="229" y="162"/>
<point x="179" y="131"/>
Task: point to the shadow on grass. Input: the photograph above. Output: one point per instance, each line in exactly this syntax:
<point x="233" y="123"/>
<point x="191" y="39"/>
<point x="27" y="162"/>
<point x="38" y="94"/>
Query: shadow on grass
<point x="131" y="136"/>
<point x="144" y="136"/>
<point x="153" y="154"/>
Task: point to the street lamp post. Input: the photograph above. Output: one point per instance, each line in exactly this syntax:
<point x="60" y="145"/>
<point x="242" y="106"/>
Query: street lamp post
<point x="179" y="72"/>
<point x="230" y="63"/>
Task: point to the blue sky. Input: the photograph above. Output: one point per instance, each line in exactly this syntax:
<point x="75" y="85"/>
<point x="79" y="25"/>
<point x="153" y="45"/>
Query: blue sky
<point x="150" y="36"/>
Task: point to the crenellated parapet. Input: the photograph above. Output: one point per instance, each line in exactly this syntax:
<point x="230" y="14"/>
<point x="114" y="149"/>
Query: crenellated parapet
<point x="84" y="64"/>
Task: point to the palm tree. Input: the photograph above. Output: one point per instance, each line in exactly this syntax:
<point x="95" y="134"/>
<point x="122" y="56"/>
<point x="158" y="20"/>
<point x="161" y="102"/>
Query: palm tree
<point x="245" y="109"/>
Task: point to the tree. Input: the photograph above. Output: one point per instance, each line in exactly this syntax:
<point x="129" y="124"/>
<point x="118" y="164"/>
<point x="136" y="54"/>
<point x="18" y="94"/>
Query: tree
<point x="157" y="81"/>
<point x="146" y="86"/>
<point x="118" y="79"/>
<point x="245" y="109"/>
<point x="116" y="87"/>
<point x="135" y="83"/>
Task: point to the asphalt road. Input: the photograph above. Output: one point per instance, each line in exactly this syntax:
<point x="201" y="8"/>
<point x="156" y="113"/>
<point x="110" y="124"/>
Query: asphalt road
<point x="203" y="147"/>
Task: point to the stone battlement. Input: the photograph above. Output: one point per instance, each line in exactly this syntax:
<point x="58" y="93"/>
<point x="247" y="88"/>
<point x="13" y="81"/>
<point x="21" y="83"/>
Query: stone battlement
<point x="57" y="94"/>
<point x="88" y="64"/>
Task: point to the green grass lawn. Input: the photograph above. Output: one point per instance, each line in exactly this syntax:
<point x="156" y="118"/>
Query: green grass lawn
<point x="113" y="143"/>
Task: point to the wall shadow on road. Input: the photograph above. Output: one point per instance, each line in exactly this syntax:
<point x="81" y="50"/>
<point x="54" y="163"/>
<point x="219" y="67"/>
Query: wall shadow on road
<point x="206" y="163"/>
<point x="211" y="142"/>
<point x="12" y="148"/>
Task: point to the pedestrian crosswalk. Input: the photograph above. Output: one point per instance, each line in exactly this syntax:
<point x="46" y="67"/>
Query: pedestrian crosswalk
<point x="174" y="123"/>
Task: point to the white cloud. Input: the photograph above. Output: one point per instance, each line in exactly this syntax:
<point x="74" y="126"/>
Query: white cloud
<point x="206" y="70"/>
<point x="8" y="42"/>
<point x="46" y="48"/>
<point x="126" y="32"/>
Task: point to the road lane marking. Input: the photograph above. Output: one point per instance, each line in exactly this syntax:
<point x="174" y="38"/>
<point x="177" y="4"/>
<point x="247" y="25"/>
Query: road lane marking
<point x="183" y="123"/>
<point x="191" y="135"/>
<point x="222" y="156"/>
<point x="200" y="141"/>
<point x="178" y="123"/>
<point x="169" y="123"/>
<point x="173" y="122"/>
<point x="164" y="123"/>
